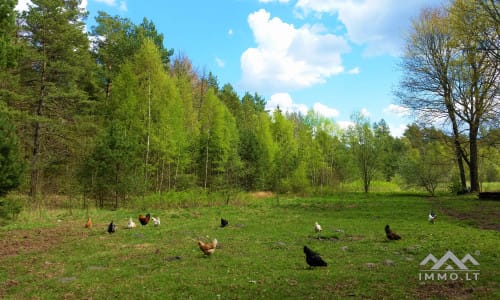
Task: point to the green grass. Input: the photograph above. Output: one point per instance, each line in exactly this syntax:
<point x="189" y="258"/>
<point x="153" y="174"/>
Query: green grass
<point x="49" y="255"/>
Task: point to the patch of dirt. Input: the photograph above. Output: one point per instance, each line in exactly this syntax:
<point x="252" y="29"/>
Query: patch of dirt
<point x="41" y="239"/>
<point x="262" y="194"/>
<point x="482" y="219"/>
<point x="448" y="290"/>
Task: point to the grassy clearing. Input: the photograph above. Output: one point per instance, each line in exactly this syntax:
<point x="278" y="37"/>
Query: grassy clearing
<point x="260" y="254"/>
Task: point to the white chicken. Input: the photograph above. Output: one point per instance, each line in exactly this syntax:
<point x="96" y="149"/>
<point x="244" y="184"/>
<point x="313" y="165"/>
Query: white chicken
<point x="156" y="221"/>
<point x="131" y="224"/>
<point x="317" y="228"/>
<point x="432" y="217"/>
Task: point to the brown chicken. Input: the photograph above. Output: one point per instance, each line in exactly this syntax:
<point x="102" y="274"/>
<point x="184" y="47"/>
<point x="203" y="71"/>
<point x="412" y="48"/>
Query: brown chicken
<point x="390" y="234"/>
<point x="144" y="219"/>
<point x="208" y="248"/>
<point x="88" y="224"/>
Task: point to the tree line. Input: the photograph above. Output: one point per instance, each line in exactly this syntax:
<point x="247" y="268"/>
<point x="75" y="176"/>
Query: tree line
<point x="112" y="114"/>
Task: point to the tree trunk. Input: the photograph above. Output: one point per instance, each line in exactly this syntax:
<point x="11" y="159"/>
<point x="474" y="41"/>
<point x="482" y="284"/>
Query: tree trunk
<point x="473" y="165"/>
<point x="36" y="136"/>
<point x="456" y="142"/>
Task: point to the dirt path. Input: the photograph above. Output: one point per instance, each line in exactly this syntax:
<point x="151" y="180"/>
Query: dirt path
<point x="480" y="215"/>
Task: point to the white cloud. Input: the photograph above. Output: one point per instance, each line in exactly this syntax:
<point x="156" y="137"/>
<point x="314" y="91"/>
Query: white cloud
<point x="269" y="1"/>
<point x="377" y="24"/>
<point x="123" y="6"/>
<point x="230" y="32"/>
<point x="398" y="110"/>
<point x="220" y="62"/>
<point x="353" y="71"/>
<point x="365" y="112"/>
<point x="285" y="103"/>
<point x="325" y="111"/>
<point x="107" y="2"/>
<point x="345" y="124"/>
<point x="397" y="130"/>
<point x="22" y="5"/>
<point x="287" y="57"/>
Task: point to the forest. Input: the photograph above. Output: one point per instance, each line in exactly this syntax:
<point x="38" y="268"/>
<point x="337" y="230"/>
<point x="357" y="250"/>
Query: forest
<point x="111" y="113"/>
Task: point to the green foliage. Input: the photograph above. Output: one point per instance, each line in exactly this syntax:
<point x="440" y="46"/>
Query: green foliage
<point x="11" y="165"/>
<point x="426" y="163"/>
<point x="10" y="208"/>
<point x="127" y="119"/>
<point x="365" y="150"/>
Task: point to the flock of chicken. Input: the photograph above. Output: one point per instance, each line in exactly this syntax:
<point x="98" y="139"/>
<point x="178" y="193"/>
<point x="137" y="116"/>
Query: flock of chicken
<point x="313" y="259"/>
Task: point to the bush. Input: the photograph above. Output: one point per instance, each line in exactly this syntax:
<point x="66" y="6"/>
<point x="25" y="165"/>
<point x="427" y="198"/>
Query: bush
<point x="10" y="208"/>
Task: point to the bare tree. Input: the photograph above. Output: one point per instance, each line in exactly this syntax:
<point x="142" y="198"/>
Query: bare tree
<point x="427" y="84"/>
<point x="449" y="77"/>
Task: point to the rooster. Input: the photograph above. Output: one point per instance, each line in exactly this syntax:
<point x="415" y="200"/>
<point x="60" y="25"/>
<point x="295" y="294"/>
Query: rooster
<point x="88" y="224"/>
<point x="223" y="222"/>
<point x="313" y="259"/>
<point x="208" y="248"/>
<point x="131" y="224"/>
<point x="390" y="234"/>
<point x="156" y="221"/>
<point x="144" y="219"/>
<point x="111" y="228"/>
<point x="432" y="217"/>
<point x="317" y="228"/>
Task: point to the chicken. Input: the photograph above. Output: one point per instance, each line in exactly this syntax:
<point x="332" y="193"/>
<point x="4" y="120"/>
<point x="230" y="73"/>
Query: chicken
<point x="156" y="221"/>
<point x="88" y="224"/>
<point x="144" y="219"/>
<point x="313" y="259"/>
<point x="432" y="217"/>
<point x="111" y="227"/>
<point x="391" y="235"/>
<point x="317" y="229"/>
<point x="223" y="222"/>
<point x="208" y="248"/>
<point x="131" y="224"/>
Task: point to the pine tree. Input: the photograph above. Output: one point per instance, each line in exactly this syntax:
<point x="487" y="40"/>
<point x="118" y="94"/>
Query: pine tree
<point x="56" y="60"/>
<point x="11" y="166"/>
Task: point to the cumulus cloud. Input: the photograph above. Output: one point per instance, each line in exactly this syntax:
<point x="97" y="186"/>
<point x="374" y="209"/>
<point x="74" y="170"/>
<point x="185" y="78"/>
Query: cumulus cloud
<point x="377" y="24"/>
<point x="398" y="110"/>
<point x="397" y="130"/>
<point x="122" y="5"/>
<point x="107" y="2"/>
<point x="287" y="57"/>
<point x="285" y="103"/>
<point x="325" y="111"/>
<point x="353" y="71"/>
<point x="22" y="5"/>
<point x="365" y="112"/>
<point x="345" y="124"/>
<point x="269" y="1"/>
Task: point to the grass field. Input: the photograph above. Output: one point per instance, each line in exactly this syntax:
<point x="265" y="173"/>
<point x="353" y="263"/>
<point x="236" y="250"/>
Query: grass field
<point x="49" y="255"/>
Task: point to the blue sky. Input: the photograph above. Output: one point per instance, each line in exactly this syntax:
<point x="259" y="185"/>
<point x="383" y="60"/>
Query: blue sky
<point x="334" y="56"/>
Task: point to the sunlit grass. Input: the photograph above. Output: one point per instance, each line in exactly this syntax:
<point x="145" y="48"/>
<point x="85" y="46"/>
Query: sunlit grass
<point x="260" y="254"/>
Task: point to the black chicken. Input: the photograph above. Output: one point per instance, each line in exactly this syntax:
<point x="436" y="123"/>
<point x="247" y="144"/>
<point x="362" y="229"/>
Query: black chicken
<point x="390" y="234"/>
<point x="111" y="227"/>
<point x="313" y="259"/>
<point x="223" y="222"/>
